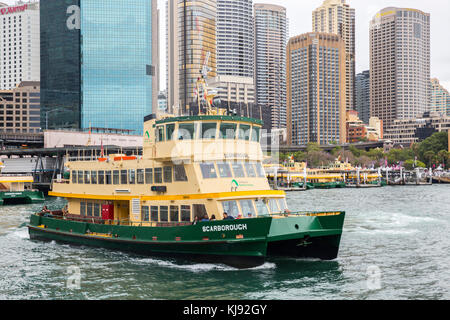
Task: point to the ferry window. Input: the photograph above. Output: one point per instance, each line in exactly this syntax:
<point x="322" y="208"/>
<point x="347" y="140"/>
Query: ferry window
<point x="140" y="176"/>
<point x="174" y="214"/>
<point x="273" y="206"/>
<point x="96" y="210"/>
<point x="244" y="132"/>
<point x="180" y="173"/>
<point x="158" y="175"/>
<point x="74" y="176"/>
<point x="80" y="177"/>
<point x="89" y="209"/>
<point x="208" y="170"/>
<point x="83" y="208"/>
<point x="87" y="177"/>
<point x="123" y="177"/>
<point x="148" y="176"/>
<point x="186" y="213"/>
<point x="170" y="128"/>
<point x="224" y="170"/>
<point x="160" y="134"/>
<point x="108" y="177"/>
<point x="167" y="174"/>
<point x="261" y="208"/>
<point x="228" y="130"/>
<point x="231" y="208"/>
<point x="154" y="214"/>
<point x="247" y="208"/>
<point x="186" y="131"/>
<point x="282" y="204"/>
<point x="94" y="177"/>
<point x="238" y="170"/>
<point x="145" y="213"/>
<point x="101" y="177"/>
<point x="260" y="170"/>
<point x="164" y="213"/>
<point x="116" y="177"/>
<point x="251" y="173"/>
<point x="200" y="211"/>
<point x="255" y="134"/>
<point x="132" y="176"/>
<point x="209" y="130"/>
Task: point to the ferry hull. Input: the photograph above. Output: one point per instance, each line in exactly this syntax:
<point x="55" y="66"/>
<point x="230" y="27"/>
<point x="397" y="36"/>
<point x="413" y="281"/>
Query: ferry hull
<point x="19" y="197"/>
<point x="245" y="243"/>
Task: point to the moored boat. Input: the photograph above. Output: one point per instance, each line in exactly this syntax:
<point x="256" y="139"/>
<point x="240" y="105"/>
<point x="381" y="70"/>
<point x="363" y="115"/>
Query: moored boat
<point x="18" y="189"/>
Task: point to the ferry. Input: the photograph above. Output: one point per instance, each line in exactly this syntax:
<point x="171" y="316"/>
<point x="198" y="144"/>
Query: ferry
<point x="18" y="189"/>
<point x="198" y="192"/>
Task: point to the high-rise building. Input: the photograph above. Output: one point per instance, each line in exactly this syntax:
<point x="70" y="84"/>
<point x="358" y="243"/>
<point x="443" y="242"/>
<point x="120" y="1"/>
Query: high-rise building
<point x="191" y="45"/>
<point x="363" y="95"/>
<point x="19" y="108"/>
<point x="440" y="98"/>
<point x="315" y="89"/>
<point x="271" y="34"/>
<point x="99" y="60"/>
<point x="19" y="44"/>
<point x="399" y="64"/>
<point x="235" y="38"/>
<point x="336" y="16"/>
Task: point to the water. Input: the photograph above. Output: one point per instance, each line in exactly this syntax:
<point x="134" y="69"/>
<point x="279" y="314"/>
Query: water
<point x="395" y="245"/>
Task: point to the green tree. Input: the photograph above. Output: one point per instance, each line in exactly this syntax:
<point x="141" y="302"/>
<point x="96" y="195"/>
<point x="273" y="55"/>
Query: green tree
<point x="313" y="146"/>
<point x="435" y="143"/>
<point x="443" y="157"/>
<point x="429" y="157"/>
<point x="410" y="164"/>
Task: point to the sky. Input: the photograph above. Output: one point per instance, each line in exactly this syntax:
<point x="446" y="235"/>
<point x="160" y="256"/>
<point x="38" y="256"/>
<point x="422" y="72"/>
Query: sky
<point x="300" y="21"/>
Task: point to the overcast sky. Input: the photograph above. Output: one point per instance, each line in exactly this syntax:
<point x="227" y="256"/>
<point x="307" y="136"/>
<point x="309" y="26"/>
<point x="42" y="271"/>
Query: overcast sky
<point x="300" y="20"/>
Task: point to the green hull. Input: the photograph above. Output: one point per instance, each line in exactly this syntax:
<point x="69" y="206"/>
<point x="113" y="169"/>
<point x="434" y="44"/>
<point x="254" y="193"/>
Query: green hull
<point x="328" y="185"/>
<point x="242" y="243"/>
<point x="17" y="197"/>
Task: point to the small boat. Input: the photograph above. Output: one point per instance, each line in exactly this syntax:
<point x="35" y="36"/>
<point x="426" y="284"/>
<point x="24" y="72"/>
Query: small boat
<point x="17" y="189"/>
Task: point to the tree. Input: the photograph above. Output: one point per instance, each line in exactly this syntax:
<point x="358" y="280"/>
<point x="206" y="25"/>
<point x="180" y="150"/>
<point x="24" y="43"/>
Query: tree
<point x="443" y="157"/>
<point x="313" y="146"/>
<point x="435" y="143"/>
<point x="410" y="164"/>
<point x="429" y="156"/>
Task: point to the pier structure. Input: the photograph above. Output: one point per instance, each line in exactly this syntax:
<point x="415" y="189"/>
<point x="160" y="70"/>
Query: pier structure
<point x="401" y="177"/>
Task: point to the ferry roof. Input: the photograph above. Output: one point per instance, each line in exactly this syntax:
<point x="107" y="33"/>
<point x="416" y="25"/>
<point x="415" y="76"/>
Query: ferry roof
<point x="217" y="117"/>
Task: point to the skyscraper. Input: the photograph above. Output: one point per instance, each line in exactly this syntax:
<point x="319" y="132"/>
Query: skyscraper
<point x="191" y="44"/>
<point x="270" y="60"/>
<point x="235" y="38"/>
<point x="19" y="44"/>
<point x="335" y="16"/>
<point x="363" y="95"/>
<point x="439" y="98"/>
<point x="315" y="89"/>
<point x="100" y="61"/>
<point x="399" y="64"/>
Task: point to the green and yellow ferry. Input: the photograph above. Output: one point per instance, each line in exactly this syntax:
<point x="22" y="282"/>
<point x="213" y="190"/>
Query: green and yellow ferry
<point x="173" y="200"/>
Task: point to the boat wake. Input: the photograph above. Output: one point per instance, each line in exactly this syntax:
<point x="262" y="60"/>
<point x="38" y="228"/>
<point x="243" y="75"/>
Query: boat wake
<point x="198" y="267"/>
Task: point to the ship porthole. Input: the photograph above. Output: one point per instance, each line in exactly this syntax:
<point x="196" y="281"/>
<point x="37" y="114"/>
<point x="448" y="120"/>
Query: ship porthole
<point x="297" y="227"/>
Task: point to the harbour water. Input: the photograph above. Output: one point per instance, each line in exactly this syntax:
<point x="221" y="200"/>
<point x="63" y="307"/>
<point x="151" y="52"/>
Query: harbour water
<point x="395" y="245"/>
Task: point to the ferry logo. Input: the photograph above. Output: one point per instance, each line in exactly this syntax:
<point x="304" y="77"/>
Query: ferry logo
<point x="147" y="135"/>
<point x="234" y="185"/>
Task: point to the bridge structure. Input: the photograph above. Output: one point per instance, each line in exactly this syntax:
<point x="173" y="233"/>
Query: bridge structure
<point x="360" y="146"/>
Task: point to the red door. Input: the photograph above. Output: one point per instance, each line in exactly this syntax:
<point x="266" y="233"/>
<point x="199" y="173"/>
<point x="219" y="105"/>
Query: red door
<point x="108" y="212"/>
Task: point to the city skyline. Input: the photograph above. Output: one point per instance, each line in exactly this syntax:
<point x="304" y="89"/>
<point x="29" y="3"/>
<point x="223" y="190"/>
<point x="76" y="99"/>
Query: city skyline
<point x="300" y="21"/>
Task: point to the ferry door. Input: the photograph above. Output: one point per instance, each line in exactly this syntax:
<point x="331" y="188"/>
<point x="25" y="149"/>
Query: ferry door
<point x="122" y="211"/>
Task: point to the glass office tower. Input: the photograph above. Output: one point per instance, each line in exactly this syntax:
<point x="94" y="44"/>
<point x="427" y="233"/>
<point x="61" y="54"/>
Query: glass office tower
<point x="116" y="69"/>
<point x="60" y="65"/>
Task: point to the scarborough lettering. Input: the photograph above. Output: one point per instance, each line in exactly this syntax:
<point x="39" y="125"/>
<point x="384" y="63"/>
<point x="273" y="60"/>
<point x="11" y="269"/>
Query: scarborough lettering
<point x="233" y="227"/>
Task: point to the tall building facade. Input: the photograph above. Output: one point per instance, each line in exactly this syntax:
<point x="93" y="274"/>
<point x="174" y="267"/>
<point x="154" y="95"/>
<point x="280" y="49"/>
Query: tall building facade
<point x="440" y="98"/>
<point x="235" y="38"/>
<point x="315" y="89"/>
<point x="399" y="64"/>
<point x="19" y="44"/>
<point x="20" y="108"/>
<point x="363" y="95"/>
<point x="191" y="45"/>
<point x="100" y="63"/>
<point x="336" y="16"/>
<point x="271" y="34"/>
